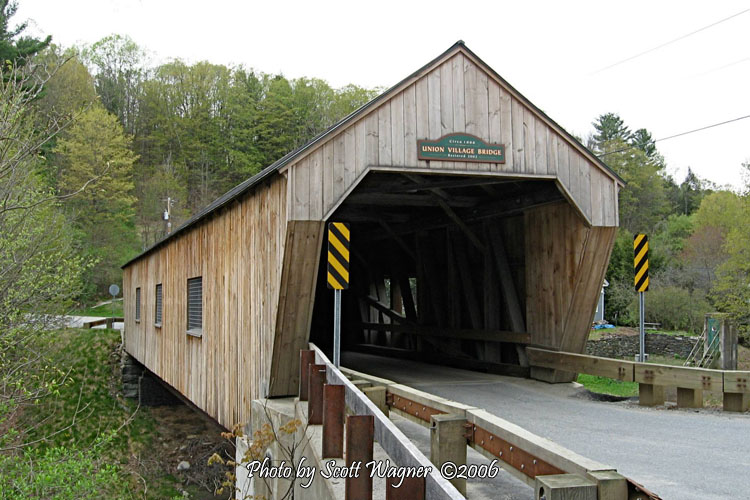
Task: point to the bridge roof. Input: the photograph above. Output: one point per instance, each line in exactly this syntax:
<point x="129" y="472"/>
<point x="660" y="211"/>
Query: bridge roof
<point x="293" y="156"/>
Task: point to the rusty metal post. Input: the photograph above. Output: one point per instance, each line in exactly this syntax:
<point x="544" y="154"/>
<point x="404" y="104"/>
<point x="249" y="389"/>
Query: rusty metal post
<point x="411" y="489"/>
<point x="316" y="377"/>
<point x="306" y="358"/>
<point x="334" y="411"/>
<point x="360" y="433"/>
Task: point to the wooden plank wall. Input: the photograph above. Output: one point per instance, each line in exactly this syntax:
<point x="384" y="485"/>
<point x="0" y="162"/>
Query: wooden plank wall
<point x="565" y="265"/>
<point x="296" y="300"/>
<point x="456" y="96"/>
<point x="238" y="252"/>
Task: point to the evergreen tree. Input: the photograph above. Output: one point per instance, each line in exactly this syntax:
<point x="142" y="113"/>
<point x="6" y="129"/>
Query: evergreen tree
<point x="609" y="128"/>
<point x="14" y="48"/>
<point x="642" y="140"/>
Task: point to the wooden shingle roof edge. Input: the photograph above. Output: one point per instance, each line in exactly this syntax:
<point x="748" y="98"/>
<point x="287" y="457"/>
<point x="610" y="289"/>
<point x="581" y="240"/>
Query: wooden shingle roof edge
<point x="285" y="160"/>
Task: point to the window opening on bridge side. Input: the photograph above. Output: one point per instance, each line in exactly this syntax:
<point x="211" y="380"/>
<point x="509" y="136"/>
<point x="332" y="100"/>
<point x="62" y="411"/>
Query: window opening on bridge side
<point x="195" y="306"/>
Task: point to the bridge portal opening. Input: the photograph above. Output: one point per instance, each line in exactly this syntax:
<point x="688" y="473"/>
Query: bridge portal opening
<point x="438" y="269"/>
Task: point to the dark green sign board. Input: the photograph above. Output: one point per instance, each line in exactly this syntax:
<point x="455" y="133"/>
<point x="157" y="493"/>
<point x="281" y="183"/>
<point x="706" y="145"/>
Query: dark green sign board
<point x="460" y="147"/>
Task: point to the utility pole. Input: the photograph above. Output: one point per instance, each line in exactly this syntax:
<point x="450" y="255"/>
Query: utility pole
<point x="167" y="216"/>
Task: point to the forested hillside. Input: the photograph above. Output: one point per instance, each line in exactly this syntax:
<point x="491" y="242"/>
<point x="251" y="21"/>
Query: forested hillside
<point x="146" y="134"/>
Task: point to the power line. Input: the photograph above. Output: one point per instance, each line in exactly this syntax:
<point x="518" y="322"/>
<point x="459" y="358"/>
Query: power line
<point x="735" y="63"/>
<point x="669" y="42"/>
<point x="677" y="135"/>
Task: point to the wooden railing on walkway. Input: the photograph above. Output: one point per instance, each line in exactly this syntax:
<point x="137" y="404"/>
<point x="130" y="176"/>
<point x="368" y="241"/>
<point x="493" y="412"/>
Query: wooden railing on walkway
<point x="653" y="378"/>
<point x="398" y="447"/>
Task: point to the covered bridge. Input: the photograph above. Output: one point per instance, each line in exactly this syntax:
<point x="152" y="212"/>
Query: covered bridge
<point x="478" y="225"/>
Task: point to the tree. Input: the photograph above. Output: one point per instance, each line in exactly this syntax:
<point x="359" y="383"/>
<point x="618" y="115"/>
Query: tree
<point x="642" y="140"/>
<point x="643" y="201"/>
<point x="40" y="268"/>
<point x="725" y="214"/>
<point x="95" y="150"/>
<point x="14" y="48"/>
<point x="118" y="66"/>
<point x="686" y="198"/>
<point x="609" y="128"/>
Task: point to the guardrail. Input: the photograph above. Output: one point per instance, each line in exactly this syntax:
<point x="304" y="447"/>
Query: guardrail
<point x="535" y="460"/>
<point x="398" y="447"/>
<point x="109" y="322"/>
<point x="653" y="378"/>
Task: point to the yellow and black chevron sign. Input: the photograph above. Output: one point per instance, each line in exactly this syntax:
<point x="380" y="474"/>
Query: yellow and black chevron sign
<point x="640" y="253"/>
<point x="338" y="255"/>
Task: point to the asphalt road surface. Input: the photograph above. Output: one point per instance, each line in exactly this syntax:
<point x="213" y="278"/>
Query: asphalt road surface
<point x="678" y="454"/>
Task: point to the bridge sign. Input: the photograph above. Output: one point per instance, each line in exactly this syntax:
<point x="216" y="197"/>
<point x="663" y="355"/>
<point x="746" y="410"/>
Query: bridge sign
<point x="640" y="262"/>
<point x="338" y="255"/>
<point x="338" y="276"/>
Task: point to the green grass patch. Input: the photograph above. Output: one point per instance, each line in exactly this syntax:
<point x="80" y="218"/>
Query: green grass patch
<point x="603" y="385"/>
<point x="87" y="412"/>
<point x="88" y="397"/>
<point x="666" y="360"/>
<point x="674" y="333"/>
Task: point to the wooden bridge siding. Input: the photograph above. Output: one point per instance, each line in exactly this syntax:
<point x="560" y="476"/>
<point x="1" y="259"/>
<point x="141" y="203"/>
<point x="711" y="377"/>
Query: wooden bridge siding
<point x="238" y="253"/>
<point x="456" y="96"/>
<point x="565" y="265"/>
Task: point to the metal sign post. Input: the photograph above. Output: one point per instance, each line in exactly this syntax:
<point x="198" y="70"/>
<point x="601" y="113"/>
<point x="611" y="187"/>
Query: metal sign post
<point x="338" y="277"/>
<point x="641" y="327"/>
<point x="114" y="290"/>
<point x="640" y="263"/>
<point x="336" y="327"/>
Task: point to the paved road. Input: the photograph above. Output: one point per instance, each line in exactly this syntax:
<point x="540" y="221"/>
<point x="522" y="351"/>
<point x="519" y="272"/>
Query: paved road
<point x="678" y="454"/>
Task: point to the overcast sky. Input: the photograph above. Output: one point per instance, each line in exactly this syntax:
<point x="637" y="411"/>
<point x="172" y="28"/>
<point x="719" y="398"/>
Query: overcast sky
<point x="558" y="54"/>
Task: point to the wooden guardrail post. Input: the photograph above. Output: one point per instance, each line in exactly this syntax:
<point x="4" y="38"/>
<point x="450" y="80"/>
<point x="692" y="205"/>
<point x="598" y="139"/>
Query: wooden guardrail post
<point x="650" y="394"/>
<point x="316" y="378"/>
<point x="448" y="443"/>
<point x="334" y="412"/>
<point x="610" y="484"/>
<point x="360" y="433"/>
<point x="565" y="487"/>
<point x="736" y="391"/>
<point x="306" y="358"/>
<point x="689" y="398"/>
<point x="377" y="395"/>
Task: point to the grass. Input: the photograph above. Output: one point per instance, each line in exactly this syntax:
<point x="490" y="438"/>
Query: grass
<point x="104" y="311"/>
<point x="88" y="406"/>
<point x="674" y="333"/>
<point x="603" y="385"/>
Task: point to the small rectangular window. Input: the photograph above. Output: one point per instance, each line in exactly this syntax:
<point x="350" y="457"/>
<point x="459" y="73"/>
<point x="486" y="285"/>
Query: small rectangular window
<point x="195" y="306"/>
<point x="157" y="315"/>
<point x="137" y="304"/>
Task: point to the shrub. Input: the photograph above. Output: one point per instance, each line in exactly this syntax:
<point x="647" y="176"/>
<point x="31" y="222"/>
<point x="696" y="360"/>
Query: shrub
<point x="60" y="473"/>
<point x="619" y="299"/>
<point x="675" y="308"/>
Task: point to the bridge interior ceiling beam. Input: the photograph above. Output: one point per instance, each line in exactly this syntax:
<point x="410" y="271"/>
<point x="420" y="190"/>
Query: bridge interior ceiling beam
<point x="438" y="272"/>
